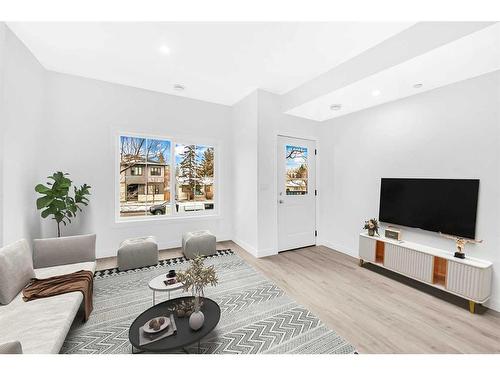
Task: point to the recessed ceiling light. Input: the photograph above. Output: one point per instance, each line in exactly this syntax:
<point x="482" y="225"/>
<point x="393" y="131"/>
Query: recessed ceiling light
<point x="417" y="85"/>
<point x="179" y="87"/>
<point x="164" y="49"/>
<point x="376" y="92"/>
<point x="336" y="107"/>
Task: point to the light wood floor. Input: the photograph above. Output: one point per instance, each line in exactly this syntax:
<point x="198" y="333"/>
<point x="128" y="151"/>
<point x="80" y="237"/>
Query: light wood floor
<point x="375" y="310"/>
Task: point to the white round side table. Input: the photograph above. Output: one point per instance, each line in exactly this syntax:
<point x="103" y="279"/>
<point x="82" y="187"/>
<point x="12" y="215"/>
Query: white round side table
<point x="157" y="285"/>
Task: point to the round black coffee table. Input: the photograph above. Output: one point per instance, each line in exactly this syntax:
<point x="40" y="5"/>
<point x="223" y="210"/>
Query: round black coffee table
<point x="185" y="335"/>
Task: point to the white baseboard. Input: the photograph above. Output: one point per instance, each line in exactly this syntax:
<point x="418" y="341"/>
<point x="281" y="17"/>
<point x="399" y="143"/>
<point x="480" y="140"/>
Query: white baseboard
<point x="340" y="248"/>
<point x="245" y="246"/>
<point x="266" y="253"/>
<point x="493" y="305"/>
<point x="165" y="245"/>
<point x="252" y="250"/>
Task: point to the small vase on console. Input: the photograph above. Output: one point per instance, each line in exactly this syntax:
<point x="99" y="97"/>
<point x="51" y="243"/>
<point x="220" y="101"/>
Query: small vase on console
<point x="372" y="226"/>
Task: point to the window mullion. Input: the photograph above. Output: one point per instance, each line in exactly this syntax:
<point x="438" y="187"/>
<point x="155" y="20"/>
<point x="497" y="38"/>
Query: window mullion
<point x="173" y="181"/>
<point x="145" y="174"/>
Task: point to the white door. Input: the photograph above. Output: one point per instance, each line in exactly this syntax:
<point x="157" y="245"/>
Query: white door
<point x="296" y="193"/>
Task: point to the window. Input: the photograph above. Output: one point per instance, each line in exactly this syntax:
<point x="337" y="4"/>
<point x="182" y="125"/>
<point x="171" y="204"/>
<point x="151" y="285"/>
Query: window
<point x="136" y="171"/>
<point x="194" y="177"/>
<point x="296" y="170"/>
<point x="154" y="189"/>
<point x="148" y="166"/>
<point x="155" y="171"/>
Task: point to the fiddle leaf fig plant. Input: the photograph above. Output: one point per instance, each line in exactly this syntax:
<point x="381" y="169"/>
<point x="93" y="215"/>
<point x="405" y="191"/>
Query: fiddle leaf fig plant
<point x="57" y="201"/>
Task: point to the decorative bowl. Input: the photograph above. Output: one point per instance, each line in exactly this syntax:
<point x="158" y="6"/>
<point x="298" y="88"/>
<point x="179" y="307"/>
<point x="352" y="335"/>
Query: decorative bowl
<point x="165" y="324"/>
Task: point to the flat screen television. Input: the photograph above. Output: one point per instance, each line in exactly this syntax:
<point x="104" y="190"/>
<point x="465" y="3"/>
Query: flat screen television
<point x="438" y="205"/>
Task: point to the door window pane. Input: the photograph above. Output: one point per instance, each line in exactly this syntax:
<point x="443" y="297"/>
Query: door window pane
<point x="295" y="170"/>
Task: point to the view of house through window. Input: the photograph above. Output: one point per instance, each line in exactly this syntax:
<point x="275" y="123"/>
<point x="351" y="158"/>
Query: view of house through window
<point x="194" y="175"/>
<point x="296" y="170"/>
<point x="145" y="177"/>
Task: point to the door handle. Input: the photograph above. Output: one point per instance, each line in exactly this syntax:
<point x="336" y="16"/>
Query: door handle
<point x="281" y="201"/>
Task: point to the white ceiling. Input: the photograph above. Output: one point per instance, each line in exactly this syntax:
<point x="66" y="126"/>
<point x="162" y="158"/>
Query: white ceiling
<point x="470" y="56"/>
<point x="216" y="62"/>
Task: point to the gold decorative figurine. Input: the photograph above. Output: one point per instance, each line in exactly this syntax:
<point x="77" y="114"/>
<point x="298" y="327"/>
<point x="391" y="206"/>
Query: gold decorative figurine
<point x="460" y="243"/>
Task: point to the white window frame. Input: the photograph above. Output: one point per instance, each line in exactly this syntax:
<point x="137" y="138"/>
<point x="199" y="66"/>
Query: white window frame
<point x="215" y="212"/>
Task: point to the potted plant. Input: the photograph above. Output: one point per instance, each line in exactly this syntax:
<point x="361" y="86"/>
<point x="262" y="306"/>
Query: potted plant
<point x="372" y="226"/>
<point x="57" y="201"/>
<point x="196" y="278"/>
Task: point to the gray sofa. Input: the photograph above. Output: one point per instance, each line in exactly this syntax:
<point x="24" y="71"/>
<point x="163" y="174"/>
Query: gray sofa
<point x="40" y="326"/>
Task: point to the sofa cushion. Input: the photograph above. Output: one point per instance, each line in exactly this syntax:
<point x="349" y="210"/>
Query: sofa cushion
<point x="50" y="252"/>
<point x="41" y="325"/>
<point x="16" y="270"/>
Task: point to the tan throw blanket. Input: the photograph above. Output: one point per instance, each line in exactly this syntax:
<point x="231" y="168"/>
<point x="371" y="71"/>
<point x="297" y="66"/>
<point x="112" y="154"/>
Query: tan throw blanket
<point x="80" y="281"/>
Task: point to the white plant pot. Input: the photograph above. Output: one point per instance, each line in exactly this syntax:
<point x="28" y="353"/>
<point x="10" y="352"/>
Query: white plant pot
<point x="196" y="320"/>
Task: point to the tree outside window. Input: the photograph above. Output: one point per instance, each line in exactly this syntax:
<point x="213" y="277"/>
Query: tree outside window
<point x="195" y="177"/>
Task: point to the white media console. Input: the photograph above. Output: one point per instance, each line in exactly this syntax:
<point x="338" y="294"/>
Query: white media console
<point x="469" y="278"/>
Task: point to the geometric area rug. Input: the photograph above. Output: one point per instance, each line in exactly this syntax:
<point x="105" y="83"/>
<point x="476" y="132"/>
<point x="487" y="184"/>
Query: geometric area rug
<point x="256" y="315"/>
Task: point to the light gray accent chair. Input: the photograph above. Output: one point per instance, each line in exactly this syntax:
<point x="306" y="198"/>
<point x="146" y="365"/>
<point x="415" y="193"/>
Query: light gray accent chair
<point x="198" y="243"/>
<point x="40" y="326"/>
<point x="137" y="252"/>
<point x="13" y="347"/>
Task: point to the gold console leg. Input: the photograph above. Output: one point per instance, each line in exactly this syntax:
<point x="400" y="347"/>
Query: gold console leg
<point x="472" y="307"/>
<point x="361" y="262"/>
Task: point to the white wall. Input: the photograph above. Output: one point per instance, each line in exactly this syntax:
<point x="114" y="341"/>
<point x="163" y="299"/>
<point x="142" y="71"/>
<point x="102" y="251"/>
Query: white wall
<point x="83" y="119"/>
<point x="22" y="116"/>
<point x="3" y="30"/>
<point x="271" y="123"/>
<point x="257" y="121"/>
<point x="450" y="132"/>
<point x="244" y="124"/>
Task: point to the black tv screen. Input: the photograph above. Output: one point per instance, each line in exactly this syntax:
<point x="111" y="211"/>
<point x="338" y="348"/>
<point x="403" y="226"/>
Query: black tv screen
<point x="438" y="205"/>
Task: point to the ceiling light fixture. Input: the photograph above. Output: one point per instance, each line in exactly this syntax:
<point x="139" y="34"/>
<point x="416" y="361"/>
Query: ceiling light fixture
<point x="179" y="87"/>
<point x="164" y="49"/>
<point x="336" y="107"/>
<point x="418" y="85"/>
<point x="375" y="92"/>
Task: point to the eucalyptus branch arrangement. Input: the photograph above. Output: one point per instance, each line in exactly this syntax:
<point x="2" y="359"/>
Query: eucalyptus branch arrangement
<point x="196" y="278"/>
<point x="57" y="201"/>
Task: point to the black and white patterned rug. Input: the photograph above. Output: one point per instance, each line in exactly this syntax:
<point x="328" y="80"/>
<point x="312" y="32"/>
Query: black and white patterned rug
<point x="256" y="315"/>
